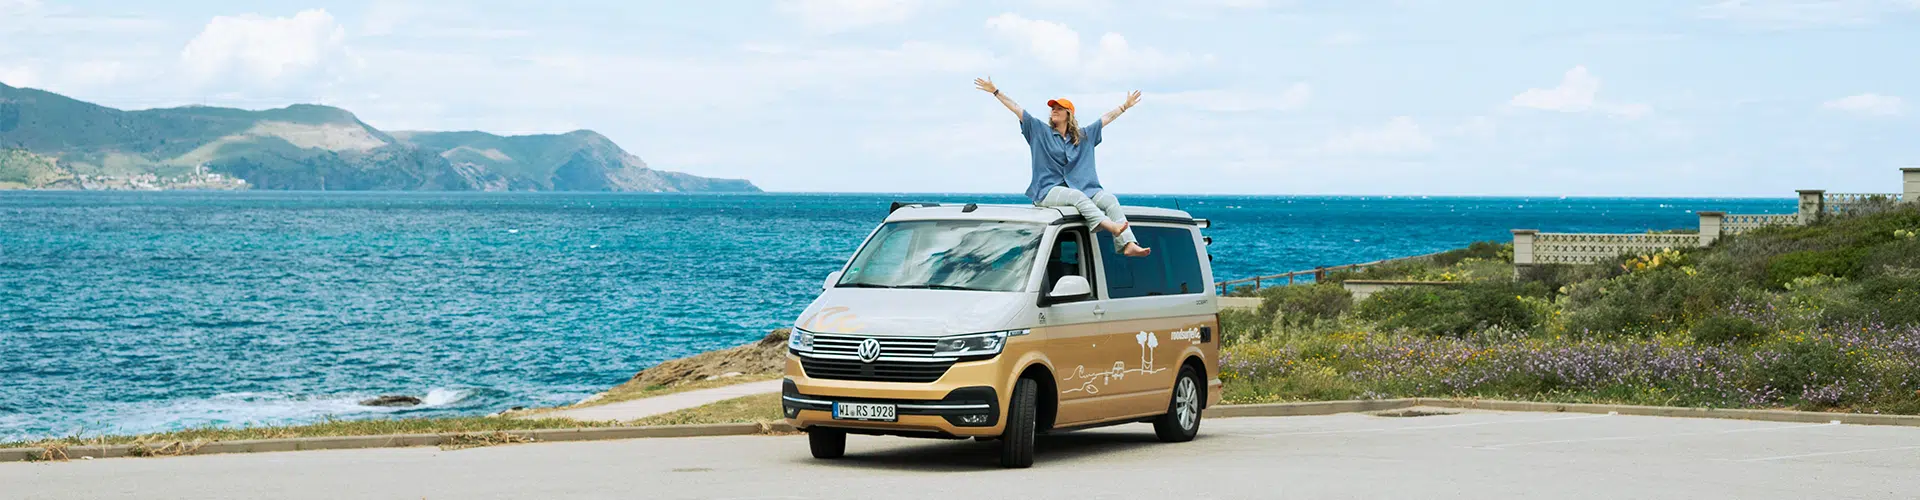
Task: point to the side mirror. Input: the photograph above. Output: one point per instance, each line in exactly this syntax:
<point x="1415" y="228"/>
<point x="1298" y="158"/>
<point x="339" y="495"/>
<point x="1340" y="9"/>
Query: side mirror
<point x="1069" y="287"/>
<point x="833" y="277"/>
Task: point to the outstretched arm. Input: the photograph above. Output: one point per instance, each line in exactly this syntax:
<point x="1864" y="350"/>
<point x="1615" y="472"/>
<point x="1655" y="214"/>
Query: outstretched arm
<point x="1132" y="99"/>
<point x="986" y="85"/>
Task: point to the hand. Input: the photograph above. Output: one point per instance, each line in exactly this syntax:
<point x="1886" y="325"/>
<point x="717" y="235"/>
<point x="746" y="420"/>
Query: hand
<point x="1132" y="99"/>
<point x="985" y="85"/>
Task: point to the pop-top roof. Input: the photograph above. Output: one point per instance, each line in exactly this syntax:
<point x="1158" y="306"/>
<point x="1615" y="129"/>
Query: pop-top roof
<point x="1025" y="213"/>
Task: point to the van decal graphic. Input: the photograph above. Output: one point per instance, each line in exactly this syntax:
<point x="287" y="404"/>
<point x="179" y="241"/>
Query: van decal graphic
<point x="1091" y="383"/>
<point x="830" y="320"/>
<point x="1192" y="334"/>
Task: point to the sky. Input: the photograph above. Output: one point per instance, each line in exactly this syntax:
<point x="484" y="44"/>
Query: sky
<point x="1356" y="97"/>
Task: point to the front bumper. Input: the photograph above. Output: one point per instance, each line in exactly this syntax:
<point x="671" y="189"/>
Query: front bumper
<point x="930" y="410"/>
<point x="962" y="412"/>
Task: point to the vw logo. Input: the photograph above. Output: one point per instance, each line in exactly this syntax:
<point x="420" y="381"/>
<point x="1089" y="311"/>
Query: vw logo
<point x="869" y="350"/>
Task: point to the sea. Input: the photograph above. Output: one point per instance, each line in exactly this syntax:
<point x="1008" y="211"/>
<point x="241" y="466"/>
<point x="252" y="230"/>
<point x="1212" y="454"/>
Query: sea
<point x="135" y="312"/>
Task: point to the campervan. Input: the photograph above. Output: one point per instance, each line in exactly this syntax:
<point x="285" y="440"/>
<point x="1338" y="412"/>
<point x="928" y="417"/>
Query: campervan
<point x="1003" y="322"/>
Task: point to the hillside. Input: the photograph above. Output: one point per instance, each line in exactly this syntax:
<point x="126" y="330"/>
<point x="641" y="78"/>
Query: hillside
<point x="1818" y="317"/>
<point x="50" y="141"/>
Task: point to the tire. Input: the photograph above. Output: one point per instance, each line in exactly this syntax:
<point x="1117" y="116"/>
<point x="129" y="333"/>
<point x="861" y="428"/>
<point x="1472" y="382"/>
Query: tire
<point x="1016" y="442"/>
<point x="1182" y="420"/>
<point x="827" y="443"/>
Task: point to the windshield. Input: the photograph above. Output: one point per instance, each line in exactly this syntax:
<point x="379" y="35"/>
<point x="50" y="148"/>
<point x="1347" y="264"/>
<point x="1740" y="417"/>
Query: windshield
<point x="946" y="255"/>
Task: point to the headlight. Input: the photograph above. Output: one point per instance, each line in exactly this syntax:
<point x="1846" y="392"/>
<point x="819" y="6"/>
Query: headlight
<point x="800" y="340"/>
<point x="979" y="344"/>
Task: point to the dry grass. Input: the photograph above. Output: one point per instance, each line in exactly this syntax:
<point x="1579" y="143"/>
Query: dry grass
<point x="476" y="440"/>
<point x="630" y="392"/>
<point x="164" y="449"/>
<point x="51" y="453"/>
<point x="755" y="408"/>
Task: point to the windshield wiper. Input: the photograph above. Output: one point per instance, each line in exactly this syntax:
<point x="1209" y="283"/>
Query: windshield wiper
<point x="863" y="285"/>
<point x="944" y="287"/>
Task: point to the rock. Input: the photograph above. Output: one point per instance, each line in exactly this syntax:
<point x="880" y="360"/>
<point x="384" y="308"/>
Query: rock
<point x="731" y="374"/>
<point x="392" y="401"/>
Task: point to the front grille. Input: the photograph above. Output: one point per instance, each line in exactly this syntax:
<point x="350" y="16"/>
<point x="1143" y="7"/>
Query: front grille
<point x="902" y="359"/>
<point x="892" y="347"/>
<point x="878" y="371"/>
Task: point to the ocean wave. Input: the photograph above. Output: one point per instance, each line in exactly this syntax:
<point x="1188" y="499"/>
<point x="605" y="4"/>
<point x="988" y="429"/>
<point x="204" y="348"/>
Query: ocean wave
<point x="250" y="409"/>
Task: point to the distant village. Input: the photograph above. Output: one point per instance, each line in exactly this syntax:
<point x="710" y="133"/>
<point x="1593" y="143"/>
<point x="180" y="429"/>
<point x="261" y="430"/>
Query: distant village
<point x="199" y="179"/>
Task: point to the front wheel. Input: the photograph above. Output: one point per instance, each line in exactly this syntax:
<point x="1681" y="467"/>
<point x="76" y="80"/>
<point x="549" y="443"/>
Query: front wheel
<point x="1016" y="442"/>
<point x="1182" y="420"/>
<point x="827" y="443"/>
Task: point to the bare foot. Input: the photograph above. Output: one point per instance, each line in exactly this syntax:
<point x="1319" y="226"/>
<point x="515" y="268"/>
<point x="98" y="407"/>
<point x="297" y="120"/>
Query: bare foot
<point x="1135" y="250"/>
<point x="1113" y="227"/>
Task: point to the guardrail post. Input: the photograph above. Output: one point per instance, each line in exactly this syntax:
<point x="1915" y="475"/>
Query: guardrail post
<point x="1912" y="177"/>
<point x="1523" y="251"/>
<point x="1813" y="202"/>
<point x="1710" y="226"/>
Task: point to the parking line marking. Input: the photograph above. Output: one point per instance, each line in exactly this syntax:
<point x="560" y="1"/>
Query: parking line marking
<point x="1650" y="436"/>
<point x="1392" y="429"/>
<point x="1829" y="453"/>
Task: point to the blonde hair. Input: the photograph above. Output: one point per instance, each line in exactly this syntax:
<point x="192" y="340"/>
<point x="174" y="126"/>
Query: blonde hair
<point x="1073" y="129"/>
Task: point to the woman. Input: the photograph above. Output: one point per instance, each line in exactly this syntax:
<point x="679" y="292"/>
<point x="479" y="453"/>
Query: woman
<point x="1064" y="174"/>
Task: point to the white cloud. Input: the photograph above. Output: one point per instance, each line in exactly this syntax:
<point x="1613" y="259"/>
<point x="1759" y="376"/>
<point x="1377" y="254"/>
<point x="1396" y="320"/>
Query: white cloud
<point x="830" y="16"/>
<point x="1789" y="14"/>
<point x="255" y="50"/>
<point x="1400" y="135"/>
<point x="1576" y="93"/>
<point x="1058" y="47"/>
<point x="1868" y="104"/>
<point x="1235" y="101"/>
<point x="20" y="76"/>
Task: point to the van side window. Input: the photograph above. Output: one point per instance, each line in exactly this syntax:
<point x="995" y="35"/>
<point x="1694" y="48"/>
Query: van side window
<point x="1172" y="269"/>
<point x="1068" y="258"/>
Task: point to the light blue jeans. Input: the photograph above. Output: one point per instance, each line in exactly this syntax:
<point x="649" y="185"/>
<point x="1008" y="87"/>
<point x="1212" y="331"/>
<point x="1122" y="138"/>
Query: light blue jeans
<point x="1098" y="209"/>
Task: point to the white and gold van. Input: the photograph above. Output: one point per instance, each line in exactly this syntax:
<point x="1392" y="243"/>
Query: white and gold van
<point x="1006" y="321"/>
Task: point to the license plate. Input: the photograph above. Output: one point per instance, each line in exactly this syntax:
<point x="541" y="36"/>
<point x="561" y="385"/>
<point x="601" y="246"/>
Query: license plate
<point x="862" y="411"/>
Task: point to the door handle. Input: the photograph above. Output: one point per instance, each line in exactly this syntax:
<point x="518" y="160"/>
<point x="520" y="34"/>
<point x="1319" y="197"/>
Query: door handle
<point x="1099" y="312"/>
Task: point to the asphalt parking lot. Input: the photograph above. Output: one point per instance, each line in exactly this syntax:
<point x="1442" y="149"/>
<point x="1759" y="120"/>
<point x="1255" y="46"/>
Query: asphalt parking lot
<point x="1468" y="454"/>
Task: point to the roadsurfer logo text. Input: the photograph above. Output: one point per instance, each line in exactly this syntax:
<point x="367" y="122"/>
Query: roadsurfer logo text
<point x="1192" y="334"/>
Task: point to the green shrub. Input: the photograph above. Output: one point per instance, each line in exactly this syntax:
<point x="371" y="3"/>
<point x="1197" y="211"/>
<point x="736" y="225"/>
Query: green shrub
<point x="1302" y="305"/>
<point x="1894" y="257"/>
<point x="1784" y="269"/>
<point x="1240" y="325"/>
<point x="1891" y="299"/>
<point x="1663" y="299"/>
<point x="1483" y="250"/>
<point x="1454" y="311"/>
<point x="1393" y="271"/>
<point x="1726" y="329"/>
<point x="1795" y="365"/>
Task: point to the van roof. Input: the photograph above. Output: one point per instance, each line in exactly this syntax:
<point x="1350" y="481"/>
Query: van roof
<point x="903" y="211"/>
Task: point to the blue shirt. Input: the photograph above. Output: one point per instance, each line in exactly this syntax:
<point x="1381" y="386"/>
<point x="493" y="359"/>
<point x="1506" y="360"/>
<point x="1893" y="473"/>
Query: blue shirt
<point x="1057" y="162"/>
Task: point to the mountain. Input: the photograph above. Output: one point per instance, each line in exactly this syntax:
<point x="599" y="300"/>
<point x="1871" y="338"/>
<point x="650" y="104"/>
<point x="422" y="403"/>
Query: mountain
<point x="51" y="141"/>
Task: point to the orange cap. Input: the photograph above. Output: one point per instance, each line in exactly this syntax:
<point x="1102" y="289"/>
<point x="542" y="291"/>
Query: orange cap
<point x="1061" y="102"/>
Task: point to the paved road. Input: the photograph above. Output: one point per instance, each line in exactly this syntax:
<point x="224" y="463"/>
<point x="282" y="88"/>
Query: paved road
<point x="625" y="411"/>
<point x="1477" y="455"/>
